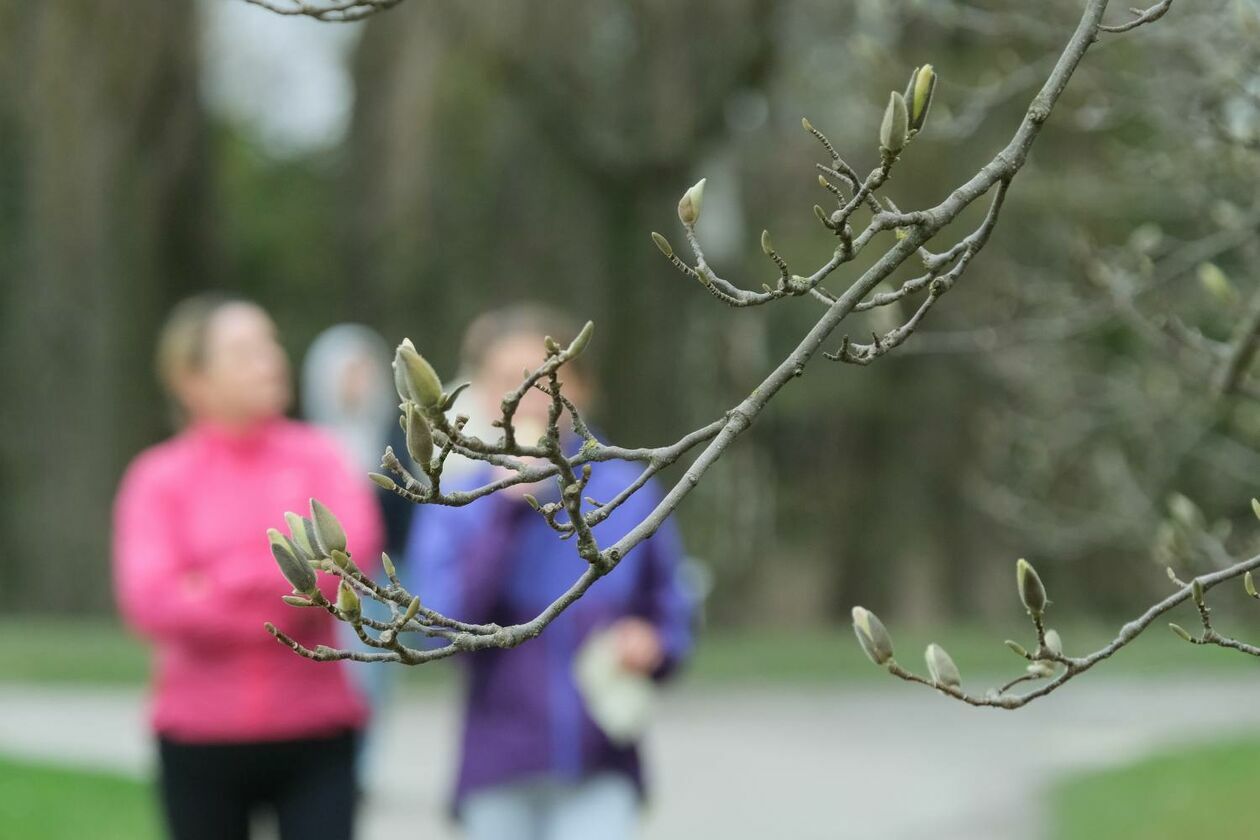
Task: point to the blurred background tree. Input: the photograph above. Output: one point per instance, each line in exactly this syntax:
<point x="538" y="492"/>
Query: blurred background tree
<point x="502" y="150"/>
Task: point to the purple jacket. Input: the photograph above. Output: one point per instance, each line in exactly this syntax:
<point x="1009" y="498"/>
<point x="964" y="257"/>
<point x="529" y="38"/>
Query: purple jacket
<point x="496" y="560"/>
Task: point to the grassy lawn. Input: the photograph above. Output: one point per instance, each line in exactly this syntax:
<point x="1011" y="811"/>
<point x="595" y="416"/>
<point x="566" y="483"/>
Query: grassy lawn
<point x="39" y="801"/>
<point x="99" y="651"/>
<point x="1205" y="791"/>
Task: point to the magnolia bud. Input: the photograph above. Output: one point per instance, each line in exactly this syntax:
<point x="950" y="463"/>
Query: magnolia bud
<point x="297" y="572"/>
<point x="328" y="531"/>
<point x="663" y="244"/>
<point x="583" y="338"/>
<point x="919" y="95"/>
<point x="766" y="246"/>
<point x="807" y="125"/>
<point x="348" y="602"/>
<point x="297" y="530"/>
<point x="383" y="481"/>
<point x="296" y="601"/>
<point x="822" y="215"/>
<point x="1019" y="649"/>
<point x="691" y="202"/>
<point x="1040" y="669"/>
<point x="532" y="501"/>
<point x="872" y="635"/>
<point x="412" y="609"/>
<point x="388" y="566"/>
<point x="1255" y="507"/>
<point x="415" y="378"/>
<point x="340" y="559"/>
<point x="1185" y="512"/>
<point x="1053" y="643"/>
<point x="1180" y="631"/>
<point x="893" y="130"/>
<point x="1249" y="584"/>
<point x="419" y="437"/>
<point x="1031" y="591"/>
<point x="942" y="668"/>
<point x="1216" y="283"/>
<point x="1196" y="591"/>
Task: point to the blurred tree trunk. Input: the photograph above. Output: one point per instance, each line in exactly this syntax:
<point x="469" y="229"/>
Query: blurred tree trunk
<point x="103" y="144"/>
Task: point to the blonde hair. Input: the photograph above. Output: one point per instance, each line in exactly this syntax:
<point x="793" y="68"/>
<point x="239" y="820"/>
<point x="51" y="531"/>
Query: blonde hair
<point x="181" y="343"/>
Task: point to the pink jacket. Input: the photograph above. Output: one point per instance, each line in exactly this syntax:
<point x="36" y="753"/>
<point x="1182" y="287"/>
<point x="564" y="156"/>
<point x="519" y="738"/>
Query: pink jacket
<point x="194" y="573"/>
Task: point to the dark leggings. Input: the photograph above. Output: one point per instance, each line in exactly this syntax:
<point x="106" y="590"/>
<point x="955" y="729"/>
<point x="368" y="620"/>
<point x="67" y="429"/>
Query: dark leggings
<point x="211" y="791"/>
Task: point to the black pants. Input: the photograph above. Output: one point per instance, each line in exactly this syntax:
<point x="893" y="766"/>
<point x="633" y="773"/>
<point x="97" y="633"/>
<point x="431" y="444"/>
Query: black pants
<point x="210" y="791"/>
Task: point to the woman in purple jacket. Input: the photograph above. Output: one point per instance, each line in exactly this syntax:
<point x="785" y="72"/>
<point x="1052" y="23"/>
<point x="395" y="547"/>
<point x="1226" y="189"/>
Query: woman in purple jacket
<point x="534" y="765"/>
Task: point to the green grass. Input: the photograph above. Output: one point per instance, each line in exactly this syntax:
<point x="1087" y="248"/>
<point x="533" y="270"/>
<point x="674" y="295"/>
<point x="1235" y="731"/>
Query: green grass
<point x="100" y="652"/>
<point x="1202" y="791"/>
<point x="51" y="803"/>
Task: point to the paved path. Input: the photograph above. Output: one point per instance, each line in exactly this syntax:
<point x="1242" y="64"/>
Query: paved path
<point x="880" y="763"/>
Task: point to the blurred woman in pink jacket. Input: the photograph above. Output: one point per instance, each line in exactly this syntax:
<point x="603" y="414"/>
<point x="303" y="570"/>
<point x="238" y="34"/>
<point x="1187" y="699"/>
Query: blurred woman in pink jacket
<point x="243" y="724"/>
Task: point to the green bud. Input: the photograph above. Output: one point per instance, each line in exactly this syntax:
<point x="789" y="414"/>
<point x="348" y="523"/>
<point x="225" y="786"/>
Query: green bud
<point x="767" y="247"/>
<point x="1249" y="584"/>
<point x="297" y="572"/>
<point x="296" y="601"/>
<point x="1018" y="649"/>
<point x="348" y="603"/>
<point x="388" y="566"/>
<point x="419" y="437"/>
<point x="412" y="609"/>
<point x="340" y="559"/>
<point x="383" y="481"/>
<point x="1180" y="631"/>
<point x="297" y="530"/>
<point x="1040" y="669"/>
<point x="1053" y="643"/>
<point x="918" y="95"/>
<point x="532" y="501"/>
<point x="690" y="204"/>
<point x="896" y="124"/>
<point x="415" y="378"/>
<point x="583" y="338"/>
<point x="807" y="125"/>
<point x="1255" y="507"/>
<point x="1185" y="512"/>
<point x="1216" y="282"/>
<point x="663" y="244"/>
<point x="942" y="668"/>
<point x="328" y="531"/>
<point x="872" y="635"/>
<point x="1031" y="591"/>
<point x="822" y="215"/>
<point x="1196" y="591"/>
<point x="312" y="537"/>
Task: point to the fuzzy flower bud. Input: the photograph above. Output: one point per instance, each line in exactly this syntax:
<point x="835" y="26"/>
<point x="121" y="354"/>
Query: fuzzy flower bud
<point x="348" y="603"/>
<point x="583" y="338"/>
<point x="942" y="668"/>
<point x="690" y="204"/>
<point x="1249" y="584"/>
<point x="414" y="377"/>
<point x="412" y="609"/>
<point x="296" y="571"/>
<point x="919" y="95"/>
<point x="872" y="635"/>
<point x="1054" y="644"/>
<point x="663" y="244"/>
<point x="388" y="566"/>
<point x="297" y="530"/>
<point x="1031" y="590"/>
<point x="419" y="436"/>
<point x="382" y="481"/>
<point x="331" y="536"/>
<point x="896" y="124"/>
